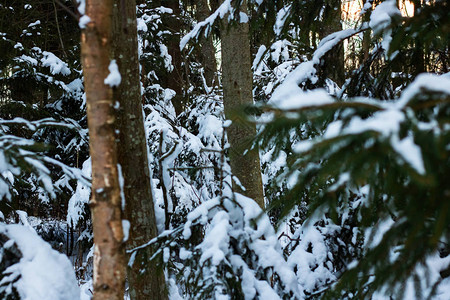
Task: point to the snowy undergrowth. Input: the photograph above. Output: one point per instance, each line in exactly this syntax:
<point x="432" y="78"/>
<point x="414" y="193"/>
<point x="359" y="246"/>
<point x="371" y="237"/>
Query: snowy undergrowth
<point x="228" y="243"/>
<point x="31" y="269"/>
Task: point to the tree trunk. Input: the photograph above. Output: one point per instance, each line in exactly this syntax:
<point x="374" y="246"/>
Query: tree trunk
<point x="109" y="256"/>
<point x="334" y="60"/>
<point x="418" y="57"/>
<point x="365" y="51"/>
<point x="174" y="80"/>
<point x="366" y="40"/>
<point x="208" y="52"/>
<point x="132" y="152"/>
<point x="237" y="92"/>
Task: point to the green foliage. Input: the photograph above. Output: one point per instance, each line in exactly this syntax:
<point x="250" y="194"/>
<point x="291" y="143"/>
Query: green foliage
<point x="385" y="162"/>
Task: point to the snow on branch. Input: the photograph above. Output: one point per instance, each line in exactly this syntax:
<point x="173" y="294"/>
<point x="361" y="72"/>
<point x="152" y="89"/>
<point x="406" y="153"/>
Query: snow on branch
<point x="226" y="8"/>
<point x="32" y="269"/>
<point x="289" y="95"/>
<point x="205" y="25"/>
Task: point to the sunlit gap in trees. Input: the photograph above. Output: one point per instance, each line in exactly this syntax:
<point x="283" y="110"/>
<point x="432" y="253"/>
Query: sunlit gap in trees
<point x="351" y="17"/>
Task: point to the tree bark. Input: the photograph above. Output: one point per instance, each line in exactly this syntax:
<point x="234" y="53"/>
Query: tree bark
<point x="175" y="80"/>
<point x="418" y="57"/>
<point x="109" y="255"/>
<point x="207" y="50"/>
<point x="237" y="92"/>
<point x="366" y="40"/>
<point x="334" y="59"/>
<point x="132" y="155"/>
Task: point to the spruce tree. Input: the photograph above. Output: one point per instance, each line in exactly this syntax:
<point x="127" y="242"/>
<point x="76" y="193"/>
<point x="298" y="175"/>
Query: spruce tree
<point x="145" y="281"/>
<point x="237" y="93"/>
<point x="376" y="166"/>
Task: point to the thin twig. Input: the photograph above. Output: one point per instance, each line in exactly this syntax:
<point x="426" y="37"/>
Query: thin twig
<point x="222" y="162"/>
<point x="163" y="184"/>
<point x="68" y="10"/>
<point x="59" y="31"/>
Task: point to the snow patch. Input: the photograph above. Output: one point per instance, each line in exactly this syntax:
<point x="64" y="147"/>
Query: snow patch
<point x="42" y="273"/>
<point x="114" y="78"/>
<point x="84" y="20"/>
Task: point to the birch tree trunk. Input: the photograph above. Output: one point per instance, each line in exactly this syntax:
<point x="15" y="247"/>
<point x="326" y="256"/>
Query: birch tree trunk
<point x="109" y="255"/>
<point x="237" y="92"/>
<point x="132" y="151"/>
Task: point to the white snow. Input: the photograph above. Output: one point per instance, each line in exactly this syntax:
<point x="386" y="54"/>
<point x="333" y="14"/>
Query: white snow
<point x="38" y="22"/>
<point x="80" y="198"/>
<point x="23" y="217"/>
<point x="223" y="9"/>
<point x="380" y="20"/>
<point x="114" y="78"/>
<point x="81" y="6"/>
<point x="141" y="25"/>
<point x="429" y="82"/>
<point x="382" y="15"/>
<point x="210" y="126"/>
<point x="42" y="273"/>
<point x="164" y="51"/>
<point x="310" y="258"/>
<point x="290" y="101"/>
<point x="215" y="243"/>
<point x="281" y="19"/>
<point x="57" y="66"/>
<point x="121" y="185"/>
<point x="289" y="95"/>
<point x="410" y="152"/>
<point x="84" y="20"/>
<point x="258" y="57"/>
<point x="385" y="122"/>
<point x="28" y="59"/>
<point x="243" y="17"/>
<point x="126" y="229"/>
